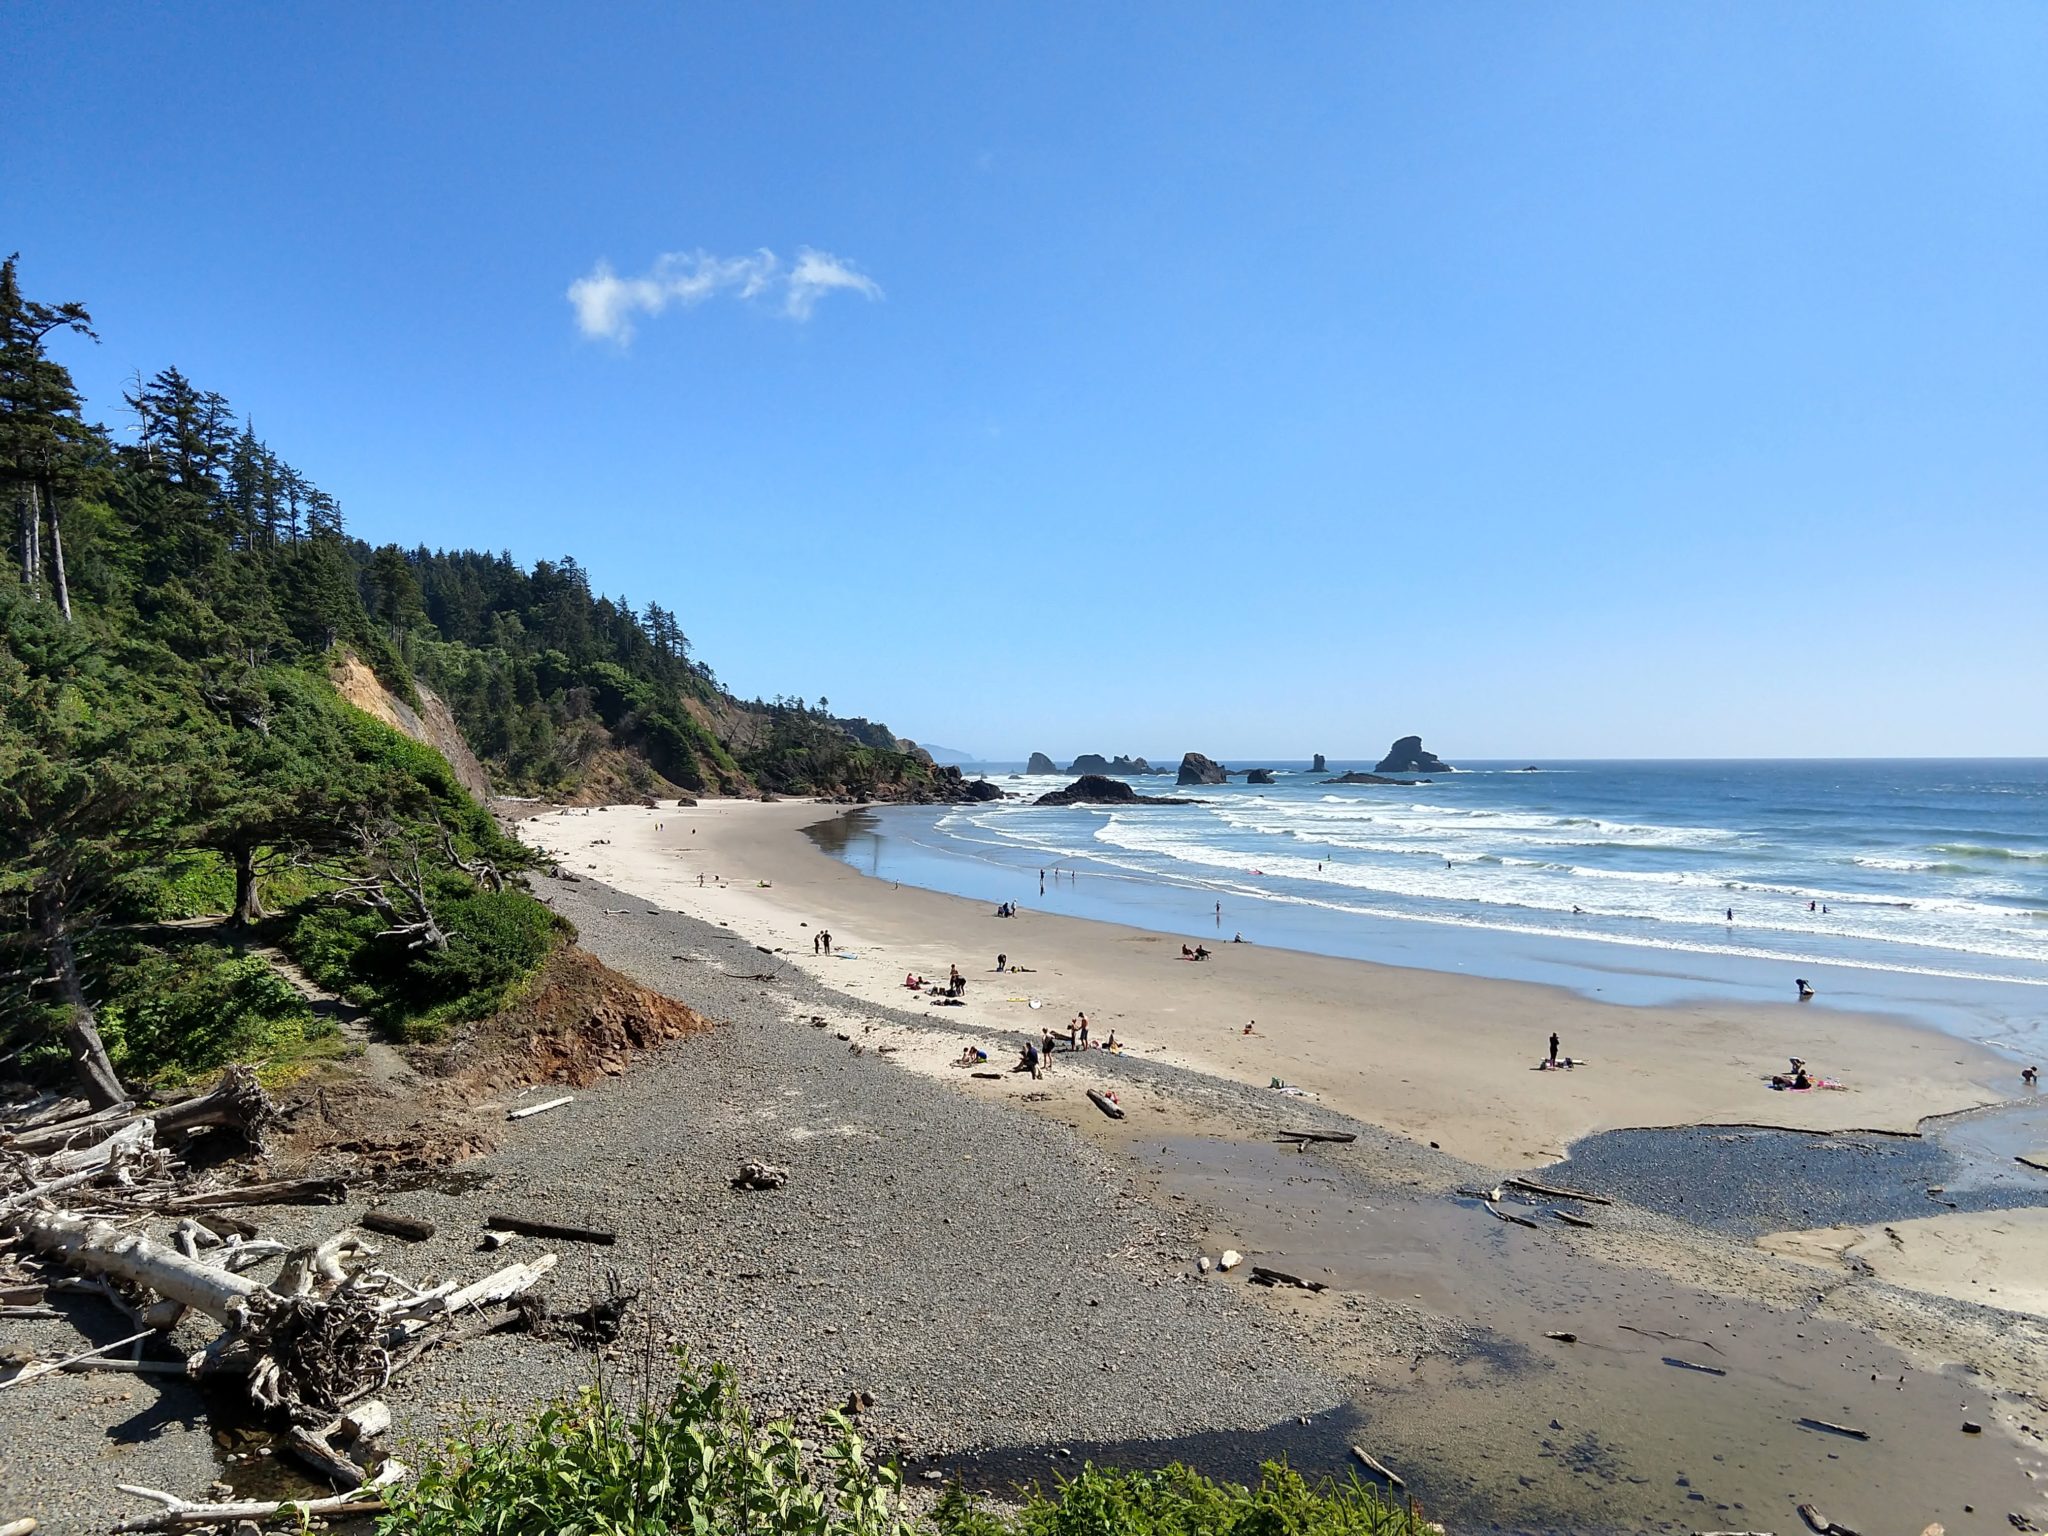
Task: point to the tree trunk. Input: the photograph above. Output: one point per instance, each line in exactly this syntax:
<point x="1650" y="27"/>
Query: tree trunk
<point x="57" y="563"/>
<point x="30" y="514"/>
<point x="81" y="1029"/>
<point x="248" y="899"/>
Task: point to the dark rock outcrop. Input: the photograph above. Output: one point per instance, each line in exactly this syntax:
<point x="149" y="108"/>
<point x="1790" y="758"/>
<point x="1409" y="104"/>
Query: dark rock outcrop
<point x="1040" y="763"/>
<point x="1369" y="778"/>
<point x="1197" y="769"/>
<point x="1532" y="768"/>
<point x="1407" y="756"/>
<point x="949" y="786"/>
<point x="1099" y="789"/>
<point x="1121" y="766"/>
<point x="1320" y="766"/>
<point x="1259" y="776"/>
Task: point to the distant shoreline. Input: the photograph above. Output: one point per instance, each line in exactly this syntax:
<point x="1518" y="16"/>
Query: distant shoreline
<point x="1437" y="1056"/>
<point x="1645" y="943"/>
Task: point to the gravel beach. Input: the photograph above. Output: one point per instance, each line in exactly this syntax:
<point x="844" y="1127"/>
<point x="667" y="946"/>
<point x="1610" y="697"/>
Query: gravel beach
<point x="984" y="1274"/>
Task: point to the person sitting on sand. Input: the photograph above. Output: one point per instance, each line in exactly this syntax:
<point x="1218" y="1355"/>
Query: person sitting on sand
<point x="971" y="1056"/>
<point x="1248" y="1028"/>
<point x="1201" y="953"/>
<point x="1239" y="939"/>
<point x="1186" y="953"/>
<point x="913" y="981"/>
<point x="1111" y="1044"/>
<point x="1028" y="1060"/>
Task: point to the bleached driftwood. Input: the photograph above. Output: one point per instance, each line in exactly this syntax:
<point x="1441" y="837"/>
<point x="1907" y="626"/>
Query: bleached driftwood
<point x="237" y="1101"/>
<point x="540" y="1109"/>
<point x="179" y="1513"/>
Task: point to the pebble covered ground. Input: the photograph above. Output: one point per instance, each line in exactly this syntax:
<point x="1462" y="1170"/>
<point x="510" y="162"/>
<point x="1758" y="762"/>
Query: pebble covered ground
<point x="984" y="1275"/>
<point x="1748" y="1181"/>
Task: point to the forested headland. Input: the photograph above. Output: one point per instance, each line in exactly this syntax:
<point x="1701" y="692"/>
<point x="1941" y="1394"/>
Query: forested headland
<point x="179" y="777"/>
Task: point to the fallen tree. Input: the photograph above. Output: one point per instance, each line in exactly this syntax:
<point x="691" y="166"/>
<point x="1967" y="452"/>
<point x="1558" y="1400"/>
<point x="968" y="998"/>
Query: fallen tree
<point x="311" y="1346"/>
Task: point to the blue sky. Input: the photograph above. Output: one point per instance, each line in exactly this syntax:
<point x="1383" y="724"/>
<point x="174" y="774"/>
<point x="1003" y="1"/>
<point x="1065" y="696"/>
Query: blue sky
<point x="1553" y="380"/>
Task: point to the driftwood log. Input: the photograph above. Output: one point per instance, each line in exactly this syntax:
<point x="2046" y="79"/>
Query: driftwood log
<point x="179" y="1514"/>
<point x="1556" y="1191"/>
<point x="327" y="1332"/>
<point x="553" y="1229"/>
<point x="1378" y="1468"/>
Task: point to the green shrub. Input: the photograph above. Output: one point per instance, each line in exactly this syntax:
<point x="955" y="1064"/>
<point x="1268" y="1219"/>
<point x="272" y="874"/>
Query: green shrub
<point x="695" y="1463"/>
<point x="698" y="1463"/>
<point x="496" y="941"/>
<point x="198" y="884"/>
<point x="176" y="1016"/>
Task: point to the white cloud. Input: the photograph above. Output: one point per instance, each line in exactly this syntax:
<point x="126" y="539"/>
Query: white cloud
<point x="607" y="305"/>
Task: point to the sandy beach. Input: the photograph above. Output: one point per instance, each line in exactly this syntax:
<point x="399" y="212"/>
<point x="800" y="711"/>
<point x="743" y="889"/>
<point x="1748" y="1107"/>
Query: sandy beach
<point x="1446" y="1059"/>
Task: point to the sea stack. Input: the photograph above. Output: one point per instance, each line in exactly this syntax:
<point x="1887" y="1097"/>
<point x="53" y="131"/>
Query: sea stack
<point x="1407" y="756"/>
<point x="1320" y="765"/>
<point x="1197" y="769"/>
<point x="1097" y="789"/>
<point x="1259" y="776"/>
<point x="1040" y="763"/>
<point x="1120" y="766"/>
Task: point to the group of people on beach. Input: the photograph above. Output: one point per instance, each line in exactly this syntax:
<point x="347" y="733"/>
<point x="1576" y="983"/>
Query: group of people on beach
<point x="1037" y="1054"/>
<point x="821" y="942"/>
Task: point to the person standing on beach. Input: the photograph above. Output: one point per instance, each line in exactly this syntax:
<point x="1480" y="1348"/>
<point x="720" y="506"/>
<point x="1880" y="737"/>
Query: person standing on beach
<point x="1002" y="964"/>
<point x="825" y="941"/>
<point x="1553" y="1047"/>
<point x="1731" y="914"/>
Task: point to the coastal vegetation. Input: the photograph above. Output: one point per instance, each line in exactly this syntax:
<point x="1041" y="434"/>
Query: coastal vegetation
<point x="697" y="1461"/>
<point x="181" y="784"/>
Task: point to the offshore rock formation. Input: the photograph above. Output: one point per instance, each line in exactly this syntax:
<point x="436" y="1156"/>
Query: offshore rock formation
<point x="1197" y="769"/>
<point x="1040" y="763"/>
<point x="1407" y="756"/>
<point x="1098" y="789"/>
<point x="1121" y="766"/>
<point x="1320" y="765"/>
<point x="1259" y="776"/>
<point x="1371" y="778"/>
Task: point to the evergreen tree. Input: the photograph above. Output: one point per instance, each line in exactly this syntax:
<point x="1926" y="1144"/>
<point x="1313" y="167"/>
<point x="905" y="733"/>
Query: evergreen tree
<point x="39" y="424"/>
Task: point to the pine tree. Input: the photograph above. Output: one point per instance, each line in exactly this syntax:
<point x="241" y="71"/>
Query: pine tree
<point x="39" y="424"/>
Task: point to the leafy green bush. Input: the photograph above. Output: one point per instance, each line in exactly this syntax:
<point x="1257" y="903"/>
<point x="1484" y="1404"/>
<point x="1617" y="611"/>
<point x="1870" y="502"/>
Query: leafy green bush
<point x="698" y="1463"/>
<point x="190" y="885"/>
<point x="695" y="1463"/>
<point x="177" y="1016"/>
<point x="1182" y="1502"/>
<point x="496" y="941"/>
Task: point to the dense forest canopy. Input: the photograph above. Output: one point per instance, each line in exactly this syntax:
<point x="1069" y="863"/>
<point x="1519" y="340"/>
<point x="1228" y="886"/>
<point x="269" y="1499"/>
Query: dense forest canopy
<point x="179" y="775"/>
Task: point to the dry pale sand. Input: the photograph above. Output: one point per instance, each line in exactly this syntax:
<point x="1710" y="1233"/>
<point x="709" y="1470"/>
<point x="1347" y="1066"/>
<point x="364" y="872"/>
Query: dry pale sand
<point x="1447" y="1059"/>
<point x="1995" y="1258"/>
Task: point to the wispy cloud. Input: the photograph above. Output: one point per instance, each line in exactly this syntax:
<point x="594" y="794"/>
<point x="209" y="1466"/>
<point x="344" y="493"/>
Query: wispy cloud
<point x="608" y="305"/>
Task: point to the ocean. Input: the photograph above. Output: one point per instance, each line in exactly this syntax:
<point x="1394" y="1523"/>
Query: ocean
<point x="1918" y="887"/>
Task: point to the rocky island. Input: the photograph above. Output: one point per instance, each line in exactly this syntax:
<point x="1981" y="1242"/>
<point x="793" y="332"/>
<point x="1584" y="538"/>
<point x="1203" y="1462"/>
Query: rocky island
<point x="1407" y="756"/>
<point x="1121" y="766"/>
<point x="1371" y="778"/>
<point x="1259" y="776"/>
<point x="1099" y="789"/>
<point x="1040" y="763"/>
<point x="1197" y="769"/>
